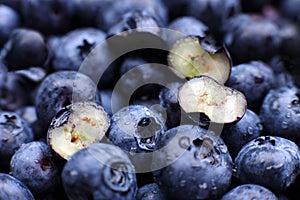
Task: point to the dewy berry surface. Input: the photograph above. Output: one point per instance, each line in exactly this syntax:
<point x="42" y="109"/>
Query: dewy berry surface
<point x="149" y="99"/>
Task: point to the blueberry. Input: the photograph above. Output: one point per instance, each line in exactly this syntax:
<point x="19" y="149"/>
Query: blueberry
<point x="249" y="191"/>
<point x="192" y="163"/>
<point x="74" y="47"/>
<point x="280" y="112"/>
<point x="12" y="188"/>
<point x="14" y="131"/>
<point x="10" y="20"/>
<point x="25" y="48"/>
<point x="245" y="130"/>
<point x="34" y="165"/>
<point x="108" y="102"/>
<point x="149" y="191"/>
<point x="60" y="89"/>
<point x="269" y="161"/>
<point x="100" y="171"/>
<point x="254" y="80"/>
<point x="259" y="37"/>
<point x="49" y="17"/>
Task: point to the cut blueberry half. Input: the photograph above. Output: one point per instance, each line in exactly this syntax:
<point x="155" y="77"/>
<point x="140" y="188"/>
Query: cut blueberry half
<point x="212" y="101"/>
<point x="77" y="126"/>
<point x="193" y="56"/>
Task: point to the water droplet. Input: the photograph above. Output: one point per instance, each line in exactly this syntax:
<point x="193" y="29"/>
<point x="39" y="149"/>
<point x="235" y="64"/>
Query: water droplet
<point x="250" y="130"/>
<point x="36" y="161"/>
<point x="146" y="143"/>
<point x="274" y="105"/>
<point x="182" y="183"/>
<point x="127" y="122"/>
<point x="184" y="142"/>
<point x="202" y="186"/>
<point x="288" y="115"/>
<point x="154" y="191"/>
<point x="147" y="113"/>
<point x="73" y="173"/>
<point x="284" y="125"/>
<point x="222" y="148"/>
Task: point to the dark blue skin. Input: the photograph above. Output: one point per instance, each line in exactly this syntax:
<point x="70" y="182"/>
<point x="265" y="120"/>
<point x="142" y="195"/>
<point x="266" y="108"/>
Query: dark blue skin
<point x="40" y="173"/>
<point x="214" y="13"/>
<point x="100" y="171"/>
<point x="108" y="103"/>
<point x="12" y="188"/>
<point x="269" y="161"/>
<point x="10" y="20"/>
<point x="176" y="8"/>
<point x="25" y="48"/>
<point x="60" y="89"/>
<point x="49" y="17"/>
<point x="237" y="135"/>
<point x="74" y="47"/>
<point x="14" y="132"/>
<point x="254" y="80"/>
<point x="245" y="30"/>
<point x="136" y="129"/>
<point x="280" y="112"/>
<point x="254" y="5"/>
<point x="249" y="191"/>
<point x="149" y="191"/>
<point x="196" y="164"/>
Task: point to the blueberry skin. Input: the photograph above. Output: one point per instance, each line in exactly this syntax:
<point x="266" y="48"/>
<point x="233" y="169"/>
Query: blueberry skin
<point x="149" y="191"/>
<point x="196" y="164"/>
<point x="269" y="161"/>
<point x="100" y="171"/>
<point x="109" y="103"/>
<point x="60" y="89"/>
<point x="254" y="80"/>
<point x="10" y="20"/>
<point x="49" y="17"/>
<point x="12" y="188"/>
<point x="176" y="8"/>
<point x="249" y="191"/>
<point x="280" y="112"/>
<point x="74" y="47"/>
<point x="34" y="165"/>
<point x="25" y="48"/>
<point x="214" y="13"/>
<point x="245" y="130"/>
<point x="14" y="131"/>
<point x="259" y="37"/>
<point x="254" y="5"/>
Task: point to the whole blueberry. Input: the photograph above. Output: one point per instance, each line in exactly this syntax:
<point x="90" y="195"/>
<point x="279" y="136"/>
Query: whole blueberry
<point x="149" y="191"/>
<point x="237" y="135"/>
<point x="249" y="191"/>
<point x="12" y="188"/>
<point x="14" y="131"/>
<point x="280" y="112"/>
<point x="34" y="165"/>
<point x="192" y="163"/>
<point x="100" y="171"/>
<point x="269" y="161"/>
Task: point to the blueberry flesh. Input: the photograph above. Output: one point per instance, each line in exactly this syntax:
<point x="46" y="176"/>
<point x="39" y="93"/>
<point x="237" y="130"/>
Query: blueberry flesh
<point x="12" y="188"/>
<point x="245" y="130"/>
<point x="280" y="112"/>
<point x="34" y="165"/>
<point x="74" y="47"/>
<point x="249" y="191"/>
<point x="196" y="164"/>
<point x="14" y="131"/>
<point x="269" y="161"/>
<point x="254" y="80"/>
<point x="10" y="20"/>
<point x="60" y="89"/>
<point x="149" y="192"/>
<point x="100" y="171"/>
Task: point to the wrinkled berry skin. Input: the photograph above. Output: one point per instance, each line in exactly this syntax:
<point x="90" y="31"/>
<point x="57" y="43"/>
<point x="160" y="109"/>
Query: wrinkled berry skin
<point x="14" y="131"/>
<point x="100" y="171"/>
<point x="280" y="112"/>
<point x="245" y="130"/>
<point x="196" y="164"/>
<point x="10" y="20"/>
<point x="12" y="188"/>
<point x="259" y="37"/>
<point x="60" y="89"/>
<point x="25" y="48"/>
<point x="149" y="191"/>
<point x="34" y="165"/>
<point x="254" y="80"/>
<point x="74" y="47"/>
<point x="249" y="191"/>
<point x="269" y="161"/>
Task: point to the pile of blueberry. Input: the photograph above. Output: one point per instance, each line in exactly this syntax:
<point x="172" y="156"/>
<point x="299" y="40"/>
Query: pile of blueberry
<point x="149" y="99"/>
